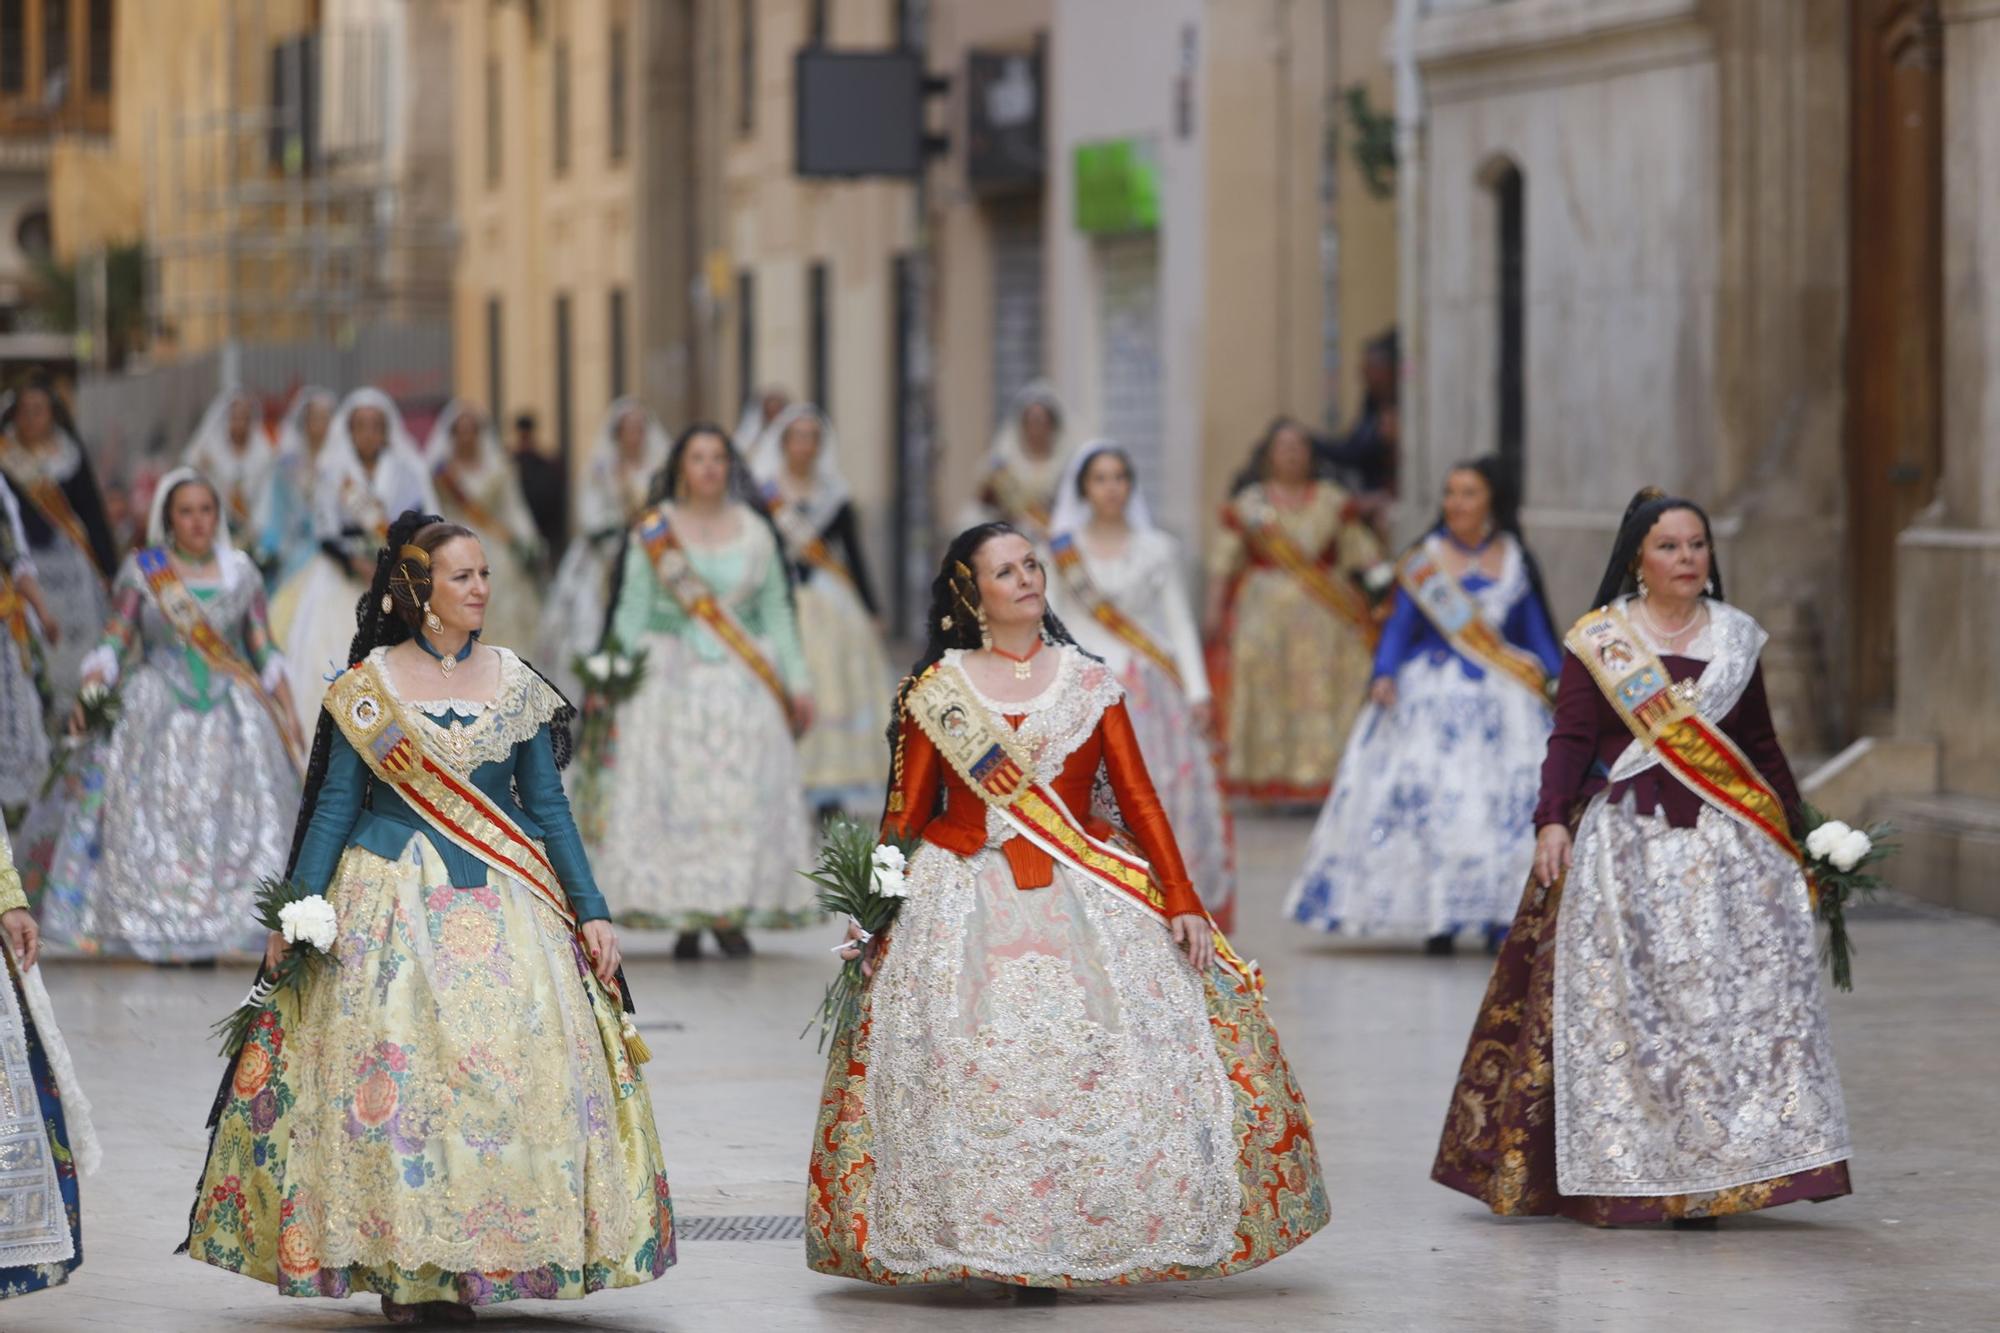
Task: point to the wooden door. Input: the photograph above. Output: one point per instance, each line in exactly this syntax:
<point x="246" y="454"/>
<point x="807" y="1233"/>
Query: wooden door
<point x="1895" y="339"/>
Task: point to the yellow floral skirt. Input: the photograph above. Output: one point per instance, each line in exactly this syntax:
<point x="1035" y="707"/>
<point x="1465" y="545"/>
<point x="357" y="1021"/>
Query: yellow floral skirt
<point x="447" y="1113"/>
<point x="1298" y="675"/>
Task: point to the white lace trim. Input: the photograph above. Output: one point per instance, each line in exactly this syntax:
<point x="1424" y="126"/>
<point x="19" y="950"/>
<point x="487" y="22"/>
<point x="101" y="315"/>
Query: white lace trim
<point x="1732" y="641"/>
<point x="1055" y="723"/>
<point x="83" y="1144"/>
<point x="523" y="705"/>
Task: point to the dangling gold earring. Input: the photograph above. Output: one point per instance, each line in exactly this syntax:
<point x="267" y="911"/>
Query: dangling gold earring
<point x="431" y="622"/>
<point x="1640" y="579"/>
<point x="985" y="632"/>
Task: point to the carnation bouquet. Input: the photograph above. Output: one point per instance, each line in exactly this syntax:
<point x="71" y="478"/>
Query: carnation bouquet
<point x="1837" y="859"/>
<point x="308" y="923"/>
<point x="863" y="881"/>
<point x="610" y="676"/>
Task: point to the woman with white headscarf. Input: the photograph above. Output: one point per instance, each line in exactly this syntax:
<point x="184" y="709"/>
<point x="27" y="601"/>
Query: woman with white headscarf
<point x="630" y="448"/>
<point x="230" y="448"/>
<point x="370" y="470"/>
<point x="1026" y="465"/>
<point x="478" y="487"/>
<point x="24" y="741"/>
<point x="797" y="468"/>
<point x="161" y="859"/>
<point x="1116" y="581"/>
<point x="285" y="542"/>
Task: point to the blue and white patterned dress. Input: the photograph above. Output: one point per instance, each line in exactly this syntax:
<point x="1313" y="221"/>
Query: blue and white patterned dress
<point x="1430" y="826"/>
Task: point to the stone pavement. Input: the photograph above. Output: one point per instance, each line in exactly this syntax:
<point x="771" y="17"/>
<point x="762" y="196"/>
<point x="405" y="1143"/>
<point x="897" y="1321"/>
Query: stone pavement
<point x="1375" y="1036"/>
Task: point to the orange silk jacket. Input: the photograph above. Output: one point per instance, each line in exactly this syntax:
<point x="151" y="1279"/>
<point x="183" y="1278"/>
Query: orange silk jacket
<point x="961" y="826"/>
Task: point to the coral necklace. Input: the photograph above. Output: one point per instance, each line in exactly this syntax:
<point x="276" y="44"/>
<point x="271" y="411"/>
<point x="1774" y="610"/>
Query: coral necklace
<point x="1024" y="664"/>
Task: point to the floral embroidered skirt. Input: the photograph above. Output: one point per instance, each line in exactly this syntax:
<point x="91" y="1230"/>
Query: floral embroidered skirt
<point x="1297" y="676"/>
<point x="1431" y="825"/>
<point x="1040" y="1091"/>
<point x="448" y="1114"/>
<point x="704" y="820"/>
<point x="1653" y="1043"/>
<point x="41" y="1237"/>
<point x="844" y="758"/>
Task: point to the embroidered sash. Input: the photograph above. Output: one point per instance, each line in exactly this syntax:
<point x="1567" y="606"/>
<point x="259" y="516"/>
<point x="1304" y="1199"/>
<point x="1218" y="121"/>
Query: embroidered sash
<point x="1069" y="562"/>
<point x="1454" y="614"/>
<point x="1694" y="750"/>
<point x="182" y="610"/>
<point x="390" y="743"/>
<point x="692" y="593"/>
<point x="985" y="753"/>
<point x="802" y="537"/>
<point x="48" y="497"/>
<point x="1269" y="541"/>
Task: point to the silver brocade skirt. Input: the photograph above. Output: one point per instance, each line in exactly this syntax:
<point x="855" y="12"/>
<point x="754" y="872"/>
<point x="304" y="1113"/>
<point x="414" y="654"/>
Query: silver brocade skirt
<point x="24" y="740"/>
<point x="168" y="827"/>
<point x="1691" y="1044"/>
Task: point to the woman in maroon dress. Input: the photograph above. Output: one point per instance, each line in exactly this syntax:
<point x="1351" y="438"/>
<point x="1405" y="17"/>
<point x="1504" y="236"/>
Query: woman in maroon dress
<point x="1653" y="1044"/>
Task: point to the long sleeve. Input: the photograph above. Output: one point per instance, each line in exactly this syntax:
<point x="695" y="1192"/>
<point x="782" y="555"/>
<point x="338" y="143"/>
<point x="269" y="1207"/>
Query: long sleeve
<point x="637" y="586"/>
<point x="780" y="627"/>
<point x="1183" y="636"/>
<point x="847" y="534"/>
<point x="913" y="798"/>
<point x="1572" y="745"/>
<point x="1528" y="627"/>
<point x="86" y="501"/>
<point x="539" y="784"/>
<point x="14" y="557"/>
<point x="1405" y="623"/>
<point x="1140" y="807"/>
<point x="258" y="644"/>
<point x="1753" y="730"/>
<point x="333" y="818"/>
<point x="120" y="642"/>
<point x="11" y="894"/>
<point x="1225" y="560"/>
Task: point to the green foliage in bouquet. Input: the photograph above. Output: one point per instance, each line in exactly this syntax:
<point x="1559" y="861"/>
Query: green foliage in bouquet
<point x="309" y="925"/>
<point x="1838" y="858"/>
<point x="862" y="880"/>
<point x="100" y="707"/>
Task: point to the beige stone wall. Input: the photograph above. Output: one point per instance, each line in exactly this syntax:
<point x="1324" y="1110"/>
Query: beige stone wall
<point x="1366" y="283"/>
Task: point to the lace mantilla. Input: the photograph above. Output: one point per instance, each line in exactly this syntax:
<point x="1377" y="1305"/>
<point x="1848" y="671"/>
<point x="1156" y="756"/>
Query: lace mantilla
<point x="1055" y="723"/>
<point x="523" y="706"/>
<point x="1731" y="643"/>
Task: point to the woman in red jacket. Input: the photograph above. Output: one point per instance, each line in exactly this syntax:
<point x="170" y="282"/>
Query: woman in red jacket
<point x="1062" y="1075"/>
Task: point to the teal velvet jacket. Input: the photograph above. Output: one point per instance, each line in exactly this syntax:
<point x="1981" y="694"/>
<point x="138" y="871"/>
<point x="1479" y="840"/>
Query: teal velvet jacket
<point x="516" y="769"/>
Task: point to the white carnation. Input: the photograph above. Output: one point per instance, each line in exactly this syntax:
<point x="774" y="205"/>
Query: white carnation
<point x="309" y="921"/>
<point x="598" y="665"/>
<point x="93" y="692"/>
<point x="889" y="883"/>
<point x="1850" y="850"/>
<point x="1822" y="840"/>
<point x="1378" y="576"/>
<point x="621" y="666"/>
<point x="890" y="857"/>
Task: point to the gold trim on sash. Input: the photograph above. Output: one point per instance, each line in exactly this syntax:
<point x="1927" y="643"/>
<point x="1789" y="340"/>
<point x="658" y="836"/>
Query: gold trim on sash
<point x="14" y="615"/>
<point x="1451" y="610"/>
<point x="691" y="592"/>
<point x="802" y="537"/>
<point x="1267" y="538"/>
<point x="991" y="761"/>
<point x="1069" y="562"/>
<point x="1636" y="683"/>
<point x="48" y="497"/>
<point x="389" y="742"/>
<point x="180" y="608"/>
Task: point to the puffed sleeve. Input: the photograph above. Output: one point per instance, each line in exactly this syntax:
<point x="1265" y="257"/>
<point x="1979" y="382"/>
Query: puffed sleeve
<point x="539" y="784"/>
<point x="333" y="817"/>
<point x="1572" y="745"/>
<point x="913" y="795"/>
<point x="1140" y="806"/>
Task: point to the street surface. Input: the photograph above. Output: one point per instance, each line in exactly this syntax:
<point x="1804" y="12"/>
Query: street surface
<point x="1375" y="1036"/>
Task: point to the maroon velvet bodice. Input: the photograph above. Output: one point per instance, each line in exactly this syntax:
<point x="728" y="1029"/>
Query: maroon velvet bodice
<point x="1589" y="736"/>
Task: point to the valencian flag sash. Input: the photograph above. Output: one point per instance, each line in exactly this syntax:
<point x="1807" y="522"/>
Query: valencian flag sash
<point x="1069" y="563"/>
<point x="1690" y="747"/>
<point x="390" y="743"/>
<point x="991" y="761"/>
<point x="1269" y="541"/>
<point x="800" y="535"/>
<point x="182" y="610"/>
<point x="691" y="592"/>
<point x="1453" y="613"/>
